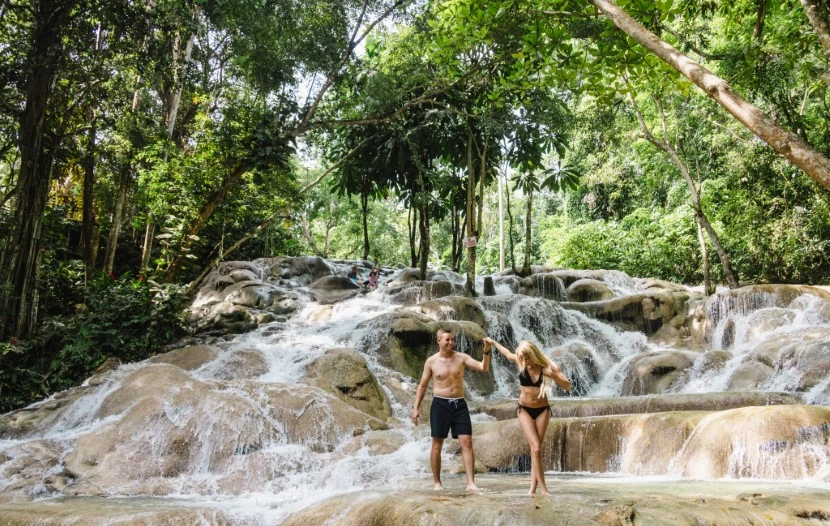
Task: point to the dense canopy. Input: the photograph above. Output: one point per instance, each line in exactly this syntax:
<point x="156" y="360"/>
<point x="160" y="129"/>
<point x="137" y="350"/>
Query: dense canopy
<point x="143" y="143"/>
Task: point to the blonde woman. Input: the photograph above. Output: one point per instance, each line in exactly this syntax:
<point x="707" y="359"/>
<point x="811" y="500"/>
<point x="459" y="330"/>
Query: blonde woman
<point x="536" y="377"/>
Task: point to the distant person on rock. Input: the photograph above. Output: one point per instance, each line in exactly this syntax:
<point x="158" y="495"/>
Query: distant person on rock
<point x="352" y="275"/>
<point x="372" y="282"/>
<point x="449" y="409"/>
<point x="536" y="374"/>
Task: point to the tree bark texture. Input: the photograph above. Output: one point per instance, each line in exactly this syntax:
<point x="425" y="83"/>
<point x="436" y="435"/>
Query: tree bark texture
<point x="817" y="13"/>
<point x="470" y="285"/>
<point x="17" y="309"/>
<point x="117" y="218"/>
<point x="786" y="143"/>
<point x="89" y="237"/>
<point x="364" y="209"/>
<point x="529" y="214"/>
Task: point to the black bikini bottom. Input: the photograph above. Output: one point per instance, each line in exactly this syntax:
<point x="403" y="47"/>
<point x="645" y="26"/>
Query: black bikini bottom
<point x="534" y="412"/>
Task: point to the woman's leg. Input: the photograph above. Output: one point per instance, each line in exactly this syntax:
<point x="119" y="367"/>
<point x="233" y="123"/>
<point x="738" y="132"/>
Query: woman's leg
<point x="542" y="422"/>
<point x="529" y="430"/>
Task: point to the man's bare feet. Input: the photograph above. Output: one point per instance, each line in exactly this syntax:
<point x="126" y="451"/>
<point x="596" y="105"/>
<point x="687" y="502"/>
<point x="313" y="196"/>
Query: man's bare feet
<point x="542" y="492"/>
<point x="472" y="487"/>
<point x="437" y="486"/>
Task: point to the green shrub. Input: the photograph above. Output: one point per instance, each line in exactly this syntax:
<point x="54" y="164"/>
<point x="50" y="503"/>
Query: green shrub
<point x="126" y="318"/>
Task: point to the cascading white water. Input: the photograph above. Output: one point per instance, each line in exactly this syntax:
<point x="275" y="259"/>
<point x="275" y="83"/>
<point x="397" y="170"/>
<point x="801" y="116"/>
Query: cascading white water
<point x="297" y="468"/>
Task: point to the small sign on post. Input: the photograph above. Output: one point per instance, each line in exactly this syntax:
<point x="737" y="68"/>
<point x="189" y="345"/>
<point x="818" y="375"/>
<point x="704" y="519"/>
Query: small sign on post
<point x="470" y="242"/>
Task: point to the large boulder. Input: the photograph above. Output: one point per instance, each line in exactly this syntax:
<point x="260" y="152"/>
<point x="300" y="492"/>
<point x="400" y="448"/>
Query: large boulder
<point x="458" y="308"/>
<point x="331" y="289"/>
<point x="344" y="373"/>
<point x="583" y="290"/>
<point x="188" y="358"/>
<point x="776" y="442"/>
<point x="403" y="340"/>
<point x="407" y="288"/>
<point x="655" y="372"/>
<point x="295" y="271"/>
<point x="723" y="306"/>
<point x="170" y="425"/>
<point x="545" y="285"/>
<point x="749" y="376"/>
<point x="643" y="312"/>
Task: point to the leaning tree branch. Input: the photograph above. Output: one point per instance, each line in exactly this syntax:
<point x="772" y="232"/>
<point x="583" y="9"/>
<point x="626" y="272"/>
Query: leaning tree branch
<point x="347" y="53"/>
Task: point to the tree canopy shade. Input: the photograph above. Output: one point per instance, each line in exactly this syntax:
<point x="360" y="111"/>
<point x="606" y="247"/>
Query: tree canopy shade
<point x="557" y="46"/>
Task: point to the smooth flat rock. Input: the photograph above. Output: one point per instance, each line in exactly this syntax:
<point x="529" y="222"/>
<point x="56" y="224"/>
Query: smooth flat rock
<point x="503" y="500"/>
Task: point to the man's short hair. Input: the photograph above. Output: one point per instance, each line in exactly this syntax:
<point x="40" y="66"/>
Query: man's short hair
<point x="443" y="330"/>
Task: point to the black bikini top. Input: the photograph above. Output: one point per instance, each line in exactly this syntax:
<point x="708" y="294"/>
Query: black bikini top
<point x="526" y="381"/>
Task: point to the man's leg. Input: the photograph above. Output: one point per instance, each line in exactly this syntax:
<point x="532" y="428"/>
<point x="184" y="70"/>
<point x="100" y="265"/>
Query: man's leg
<point x="468" y="456"/>
<point x="435" y="461"/>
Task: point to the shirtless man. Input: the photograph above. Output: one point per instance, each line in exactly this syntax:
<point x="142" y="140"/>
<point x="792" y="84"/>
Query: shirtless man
<point x="449" y="410"/>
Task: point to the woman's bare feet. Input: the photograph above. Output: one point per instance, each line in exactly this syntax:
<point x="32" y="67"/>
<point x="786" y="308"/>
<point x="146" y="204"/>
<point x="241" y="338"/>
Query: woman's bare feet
<point x="437" y="486"/>
<point x="472" y="487"/>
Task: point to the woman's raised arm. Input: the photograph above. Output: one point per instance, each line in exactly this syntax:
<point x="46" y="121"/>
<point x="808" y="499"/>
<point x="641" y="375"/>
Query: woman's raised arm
<point x="501" y="348"/>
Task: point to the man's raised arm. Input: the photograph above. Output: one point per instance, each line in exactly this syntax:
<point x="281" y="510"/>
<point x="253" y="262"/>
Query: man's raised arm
<point x="484" y="365"/>
<point x="422" y="390"/>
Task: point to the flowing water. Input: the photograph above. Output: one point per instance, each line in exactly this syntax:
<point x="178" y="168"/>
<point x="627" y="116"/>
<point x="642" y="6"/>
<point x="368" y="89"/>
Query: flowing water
<point x="299" y="473"/>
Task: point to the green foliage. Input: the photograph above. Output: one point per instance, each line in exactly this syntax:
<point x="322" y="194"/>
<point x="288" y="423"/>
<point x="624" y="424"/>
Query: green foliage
<point x="125" y="318"/>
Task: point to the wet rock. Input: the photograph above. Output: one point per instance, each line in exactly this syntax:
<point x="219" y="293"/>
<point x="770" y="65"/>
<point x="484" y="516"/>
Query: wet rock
<point x="764" y="321"/>
<point x="645" y="312"/>
<point x="27" y="466"/>
<point x="547" y="285"/>
<point x="344" y="373"/>
<point x="776" y="442"/>
<point x="39" y="416"/>
<point x="504" y="501"/>
<point x="634" y="444"/>
<point x="654" y="372"/>
<point x="331" y="289"/>
<point x="583" y="290"/>
<point x="173" y="425"/>
<point x="297" y="271"/>
<point x="188" y="358"/>
<point x="745" y="300"/>
<point x="455" y="308"/>
<point x="403" y="340"/>
<point x="243" y="364"/>
<point x="617" y="515"/>
<point x="579" y="407"/>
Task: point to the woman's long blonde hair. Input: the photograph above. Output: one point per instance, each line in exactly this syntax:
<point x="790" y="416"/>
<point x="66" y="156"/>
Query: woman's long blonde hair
<point x="528" y="353"/>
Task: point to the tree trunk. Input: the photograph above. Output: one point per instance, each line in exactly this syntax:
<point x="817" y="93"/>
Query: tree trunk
<point x="364" y="208"/>
<point x="177" y="81"/>
<point x="88" y="228"/>
<point x="528" y="216"/>
<point x="309" y="239"/>
<point x="704" y="254"/>
<point x="117" y="218"/>
<point x="786" y="143"/>
<point x="211" y="204"/>
<point x="412" y="227"/>
<point x="470" y="285"/>
<point x="731" y="280"/>
<point x="817" y="14"/>
<point x="760" y="18"/>
<point x="147" y="250"/>
<point x="510" y="226"/>
<point x="459" y="248"/>
<point x="423" y="224"/>
<point x="17" y="310"/>
<point x="501" y="224"/>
